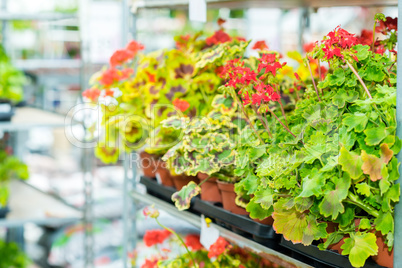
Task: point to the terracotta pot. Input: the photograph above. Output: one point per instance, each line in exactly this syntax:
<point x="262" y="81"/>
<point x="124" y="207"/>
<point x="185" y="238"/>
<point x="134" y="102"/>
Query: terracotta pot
<point x="147" y="164"/>
<point x="209" y="189"/>
<point x="163" y="174"/>
<point x="228" y="198"/>
<point x="182" y="180"/>
<point x="267" y="221"/>
<point x="384" y="258"/>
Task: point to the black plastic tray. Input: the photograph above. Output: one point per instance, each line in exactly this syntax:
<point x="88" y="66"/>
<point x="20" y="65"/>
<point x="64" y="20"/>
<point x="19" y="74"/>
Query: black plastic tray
<point x="243" y="225"/>
<point x="3" y="212"/>
<point x="322" y="258"/>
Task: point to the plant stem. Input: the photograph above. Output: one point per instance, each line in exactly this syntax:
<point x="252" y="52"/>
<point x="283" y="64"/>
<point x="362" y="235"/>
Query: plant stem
<point x="312" y="79"/>
<point x="283" y="112"/>
<point x="204" y="180"/>
<point x="319" y="71"/>
<point x="180" y="239"/>
<point x="355" y="200"/>
<point x="262" y="120"/>
<point x="287" y="129"/>
<point x="358" y="77"/>
<point x="372" y="44"/>
<point x="247" y="119"/>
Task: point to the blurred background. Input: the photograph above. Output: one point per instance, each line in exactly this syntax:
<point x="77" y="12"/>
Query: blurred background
<point x="58" y="44"/>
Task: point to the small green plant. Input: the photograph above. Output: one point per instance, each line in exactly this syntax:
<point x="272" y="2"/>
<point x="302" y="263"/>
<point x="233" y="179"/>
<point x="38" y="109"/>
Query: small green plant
<point x="11" y="256"/>
<point x="11" y="80"/>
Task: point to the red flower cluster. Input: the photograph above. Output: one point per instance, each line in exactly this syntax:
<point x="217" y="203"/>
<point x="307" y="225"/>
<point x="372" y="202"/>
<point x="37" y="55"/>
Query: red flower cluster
<point x="182" y="105"/>
<point x="193" y="242"/>
<point x="265" y="93"/>
<point x="221" y="22"/>
<point x="365" y="38"/>
<point x="336" y="40"/>
<point x="92" y="94"/>
<point x="385" y="26"/>
<point x="218" y="248"/>
<point x="309" y="46"/>
<point x="235" y="71"/>
<point x="112" y="75"/>
<point x="123" y="55"/>
<point x="153" y="237"/>
<point x="135" y="47"/>
<point x="181" y="41"/>
<point x="151" y="262"/>
<point x="218" y="37"/>
<point x="260" y="45"/>
<point x="269" y="63"/>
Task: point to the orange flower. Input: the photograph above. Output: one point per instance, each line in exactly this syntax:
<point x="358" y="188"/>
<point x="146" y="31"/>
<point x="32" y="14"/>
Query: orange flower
<point x="120" y="56"/>
<point x="193" y="241"/>
<point x="92" y="94"/>
<point x="218" y="248"/>
<point x="182" y="105"/>
<point x="154" y="237"/>
<point x="134" y="47"/>
<point x="260" y="45"/>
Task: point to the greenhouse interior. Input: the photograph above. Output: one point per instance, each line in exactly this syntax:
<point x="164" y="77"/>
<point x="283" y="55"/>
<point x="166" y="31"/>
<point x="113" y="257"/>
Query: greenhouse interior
<point x="200" y="134"/>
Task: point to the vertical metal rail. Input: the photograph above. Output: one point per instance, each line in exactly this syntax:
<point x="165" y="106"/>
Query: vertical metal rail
<point x="398" y="207"/>
<point x="126" y="223"/>
<point x="87" y="160"/>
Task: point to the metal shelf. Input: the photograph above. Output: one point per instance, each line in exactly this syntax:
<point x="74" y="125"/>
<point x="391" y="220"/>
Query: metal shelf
<point x="6" y="16"/>
<point x="26" y="118"/>
<point x="242" y="4"/>
<point x="28" y="205"/>
<point x="195" y="220"/>
<point x="47" y="64"/>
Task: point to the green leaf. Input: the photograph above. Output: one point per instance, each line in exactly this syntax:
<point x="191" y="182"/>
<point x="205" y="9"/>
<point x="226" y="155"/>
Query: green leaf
<point x="374" y="73"/>
<point x="346" y="218"/>
<point x="346" y="139"/>
<point x="250" y="183"/>
<point x="257" y="211"/>
<point x="375" y="135"/>
<point x="351" y="163"/>
<point x="343" y="96"/>
<point x="171" y="263"/>
<point x="359" y="247"/>
<point x="331" y="204"/>
<point x="392" y="195"/>
<point x="356" y="121"/>
<point x="182" y="198"/>
<point x="337" y="78"/>
<point x="298" y="227"/>
<point x="264" y="197"/>
<point x="365" y="224"/>
<point x="372" y="166"/>
<point x="384" y="223"/>
<point x="362" y="52"/>
<point x="363" y="189"/>
<point x="257" y="152"/>
<point x="393" y="169"/>
<point x="312" y="184"/>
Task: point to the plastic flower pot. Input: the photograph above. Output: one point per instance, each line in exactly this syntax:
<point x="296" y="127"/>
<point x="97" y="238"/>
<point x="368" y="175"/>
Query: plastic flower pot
<point x="384" y="258"/>
<point x="267" y="221"/>
<point x="163" y="173"/>
<point x="209" y="189"/>
<point x="147" y="164"/>
<point x="180" y="181"/>
<point x="229" y="197"/>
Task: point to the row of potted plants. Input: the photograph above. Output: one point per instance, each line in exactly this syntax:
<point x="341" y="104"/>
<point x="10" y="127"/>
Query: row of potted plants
<point x="172" y="250"/>
<point x="310" y="150"/>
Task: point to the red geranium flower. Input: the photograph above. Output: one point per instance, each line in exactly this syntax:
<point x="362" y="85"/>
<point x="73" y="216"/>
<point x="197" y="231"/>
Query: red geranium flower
<point x="92" y="94"/>
<point x="297" y="76"/>
<point x="181" y="41"/>
<point x="109" y="92"/>
<point x="193" y="241"/>
<point x="182" y="105"/>
<point x="365" y="38"/>
<point x="153" y="237"/>
<point x="134" y="47"/>
<point x="218" y="37"/>
<point x="260" y="45"/>
<point x="218" y="248"/>
<point x="120" y="57"/>
<point x="309" y="47"/>
<point x="241" y="39"/>
<point x="109" y="77"/>
<point x="385" y="26"/>
<point x="221" y="21"/>
<point x="150" y="263"/>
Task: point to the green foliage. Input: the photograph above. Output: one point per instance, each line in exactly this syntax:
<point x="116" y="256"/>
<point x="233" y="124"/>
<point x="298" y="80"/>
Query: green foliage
<point x="183" y="197"/>
<point x="12" y="257"/>
<point x="11" y="80"/>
